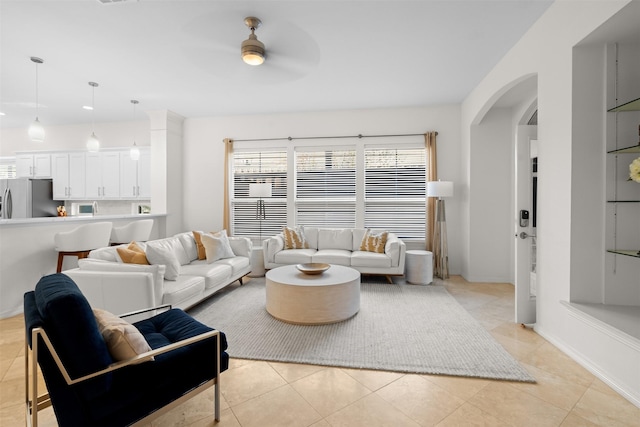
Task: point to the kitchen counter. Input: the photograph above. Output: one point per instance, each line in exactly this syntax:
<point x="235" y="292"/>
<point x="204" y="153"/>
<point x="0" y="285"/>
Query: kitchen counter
<point x="76" y="218"/>
<point x="27" y="251"/>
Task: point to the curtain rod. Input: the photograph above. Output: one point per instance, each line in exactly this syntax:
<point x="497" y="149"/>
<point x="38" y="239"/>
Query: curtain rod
<point x="290" y="138"/>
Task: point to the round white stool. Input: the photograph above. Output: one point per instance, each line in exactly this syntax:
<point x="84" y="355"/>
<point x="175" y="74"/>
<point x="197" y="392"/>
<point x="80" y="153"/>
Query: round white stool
<point x="419" y="267"/>
<point x="257" y="262"/>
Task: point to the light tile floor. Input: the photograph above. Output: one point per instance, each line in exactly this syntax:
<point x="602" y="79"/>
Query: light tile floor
<point x="262" y="394"/>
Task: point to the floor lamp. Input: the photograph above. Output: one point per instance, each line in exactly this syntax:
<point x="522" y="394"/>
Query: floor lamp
<point x="260" y="190"/>
<point x="440" y="189"/>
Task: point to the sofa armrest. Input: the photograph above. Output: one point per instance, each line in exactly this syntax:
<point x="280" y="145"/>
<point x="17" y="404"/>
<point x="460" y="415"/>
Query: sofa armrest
<point x="271" y="247"/>
<point x="395" y="248"/>
<point x="241" y="246"/>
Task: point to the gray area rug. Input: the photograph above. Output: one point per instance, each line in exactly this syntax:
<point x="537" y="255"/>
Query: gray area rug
<point x="403" y="328"/>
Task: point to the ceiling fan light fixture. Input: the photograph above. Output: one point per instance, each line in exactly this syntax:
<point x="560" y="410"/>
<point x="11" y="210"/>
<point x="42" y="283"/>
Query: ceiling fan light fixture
<point x="252" y="49"/>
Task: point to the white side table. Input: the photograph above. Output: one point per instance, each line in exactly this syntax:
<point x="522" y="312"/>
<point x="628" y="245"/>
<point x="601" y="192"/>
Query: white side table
<point x="419" y="267"/>
<point x="257" y="262"/>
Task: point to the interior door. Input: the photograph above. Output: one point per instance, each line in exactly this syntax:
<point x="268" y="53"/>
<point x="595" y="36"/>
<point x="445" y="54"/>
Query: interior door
<point x="525" y="223"/>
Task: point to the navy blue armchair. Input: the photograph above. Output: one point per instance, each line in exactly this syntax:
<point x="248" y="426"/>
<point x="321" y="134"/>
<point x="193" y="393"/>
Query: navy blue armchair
<point x="87" y="387"/>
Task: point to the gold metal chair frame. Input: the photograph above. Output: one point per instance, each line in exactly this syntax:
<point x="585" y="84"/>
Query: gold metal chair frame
<point x="35" y="402"/>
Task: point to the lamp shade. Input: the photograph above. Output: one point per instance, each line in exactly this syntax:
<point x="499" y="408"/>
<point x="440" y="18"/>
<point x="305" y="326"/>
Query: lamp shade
<point x="439" y="189"/>
<point x="260" y="190"/>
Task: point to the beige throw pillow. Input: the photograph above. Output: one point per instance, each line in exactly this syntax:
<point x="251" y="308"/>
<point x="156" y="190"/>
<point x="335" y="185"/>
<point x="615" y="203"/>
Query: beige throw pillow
<point x="294" y="238"/>
<point x="123" y="340"/>
<point x="216" y="246"/>
<point x="372" y="242"/>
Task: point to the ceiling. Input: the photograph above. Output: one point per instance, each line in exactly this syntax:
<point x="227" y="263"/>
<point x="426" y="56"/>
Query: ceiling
<point x="184" y="56"/>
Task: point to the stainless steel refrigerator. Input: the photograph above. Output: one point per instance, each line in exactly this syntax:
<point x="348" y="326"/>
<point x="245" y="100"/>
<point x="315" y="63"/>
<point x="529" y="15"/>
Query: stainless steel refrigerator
<point x="27" y="198"/>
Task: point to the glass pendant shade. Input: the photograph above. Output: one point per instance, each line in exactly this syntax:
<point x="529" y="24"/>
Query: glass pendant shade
<point x="134" y="153"/>
<point x="93" y="144"/>
<point x="36" y="131"/>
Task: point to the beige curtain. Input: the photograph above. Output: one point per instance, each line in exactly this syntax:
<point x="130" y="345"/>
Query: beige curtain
<point x="432" y="175"/>
<point x="228" y="156"/>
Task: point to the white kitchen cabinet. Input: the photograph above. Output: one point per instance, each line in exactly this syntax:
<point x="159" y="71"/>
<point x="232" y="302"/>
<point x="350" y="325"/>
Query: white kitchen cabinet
<point x="102" y="175"/>
<point x="31" y="165"/>
<point x="135" y="175"/>
<point x="68" y="172"/>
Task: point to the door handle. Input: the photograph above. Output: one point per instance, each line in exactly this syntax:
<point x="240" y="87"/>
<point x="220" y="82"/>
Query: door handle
<point x="524" y="235"/>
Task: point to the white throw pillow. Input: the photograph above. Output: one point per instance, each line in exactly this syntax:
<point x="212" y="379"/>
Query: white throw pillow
<point x="123" y="340"/>
<point x="217" y="246"/>
<point x="166" y="257"/>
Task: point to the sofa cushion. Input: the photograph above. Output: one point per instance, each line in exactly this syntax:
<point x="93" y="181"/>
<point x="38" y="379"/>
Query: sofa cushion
<point x="294" y="238"/>
<point x="238" y="264"/>
<point x="164" y="256"/>
<point x="124" y="341"/>
<point x="374" y="242"/>
<point x="370" y="259"/>
<point x="334" y="238"/>
<point x="110" y="253"/>
<point x="189" y="244"/>
<point x="172" y="244"/>
<point x="294" y="256"/>
<point x="132" y="254"/>
<point x="358" y="234"/>
<point x="182" y="289"/>
<point x="213" y="274"/>
<point x="311" y="234"/>
<point x="216" y="246"/>
<point x="333" y="256"/>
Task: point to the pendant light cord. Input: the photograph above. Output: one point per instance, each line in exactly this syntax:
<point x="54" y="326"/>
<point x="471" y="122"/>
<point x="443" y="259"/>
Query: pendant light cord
<point x="37" y="103"/>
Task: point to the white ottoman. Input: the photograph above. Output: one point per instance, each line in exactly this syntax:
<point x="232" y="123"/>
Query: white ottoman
<point x="419" y="267"/>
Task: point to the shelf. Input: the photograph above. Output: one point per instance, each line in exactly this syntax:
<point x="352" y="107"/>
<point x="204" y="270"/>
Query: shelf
<point x="632" y="149"/>
<point x="627" y="252"/>
<point x="629" y="106"/>
<point x="623" y="201"/>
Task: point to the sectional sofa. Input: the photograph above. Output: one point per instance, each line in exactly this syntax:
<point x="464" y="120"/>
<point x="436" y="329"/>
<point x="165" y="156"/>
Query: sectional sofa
<point x="180" y="279"/>
<point x="338" y="246"/>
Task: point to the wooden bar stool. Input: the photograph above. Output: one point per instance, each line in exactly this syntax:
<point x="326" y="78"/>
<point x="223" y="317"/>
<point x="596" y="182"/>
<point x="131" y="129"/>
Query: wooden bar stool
<point x="81" y="240"/>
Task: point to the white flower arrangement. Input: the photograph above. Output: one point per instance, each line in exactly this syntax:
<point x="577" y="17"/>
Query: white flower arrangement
<point x="634" y="170"/>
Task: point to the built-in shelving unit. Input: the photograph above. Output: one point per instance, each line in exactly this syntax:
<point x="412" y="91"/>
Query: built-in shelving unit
<point x="634" y="149"/>
<point x="627" y="106"/>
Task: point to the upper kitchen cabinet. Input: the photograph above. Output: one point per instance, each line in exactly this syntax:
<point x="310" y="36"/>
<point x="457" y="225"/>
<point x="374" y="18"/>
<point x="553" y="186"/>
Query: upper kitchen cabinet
<point x="68" y="175"/>
<point x="135" y="175"/>
<point x="33" y="165"/>
<point x="102" y="177"/>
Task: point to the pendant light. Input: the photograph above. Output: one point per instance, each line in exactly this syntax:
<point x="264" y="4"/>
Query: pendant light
<point x="93" y="144"/>
<point x="134" y="153"/>
<point x="36" y="131"/>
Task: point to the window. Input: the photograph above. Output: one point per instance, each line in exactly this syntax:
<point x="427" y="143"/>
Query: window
<point x="259" y="167"/>
<point x="7" y="167"/>
<point x="378" y="186"/>
<point x="326" y="188"/>
<point x="395" y="191"/>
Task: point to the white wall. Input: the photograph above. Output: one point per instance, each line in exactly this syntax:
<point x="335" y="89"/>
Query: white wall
<point x="546" y="49"/>
<point x="490" y="199"/>
<point x="204" y="153"/>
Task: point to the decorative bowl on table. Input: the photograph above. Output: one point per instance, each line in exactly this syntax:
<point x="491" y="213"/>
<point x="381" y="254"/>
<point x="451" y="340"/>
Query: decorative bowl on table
<point x="313" y="268"/>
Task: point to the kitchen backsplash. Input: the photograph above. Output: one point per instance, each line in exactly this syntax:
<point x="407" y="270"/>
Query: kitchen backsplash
<point x="112" y="207"/>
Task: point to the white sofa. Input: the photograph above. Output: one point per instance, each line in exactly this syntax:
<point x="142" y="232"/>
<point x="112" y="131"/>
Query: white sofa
<point x="118" y="287"/>
<point x="337" y="246"/>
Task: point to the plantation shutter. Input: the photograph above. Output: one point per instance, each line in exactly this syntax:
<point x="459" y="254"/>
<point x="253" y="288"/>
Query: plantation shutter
<point x="326" y="188"/>
<point x="250" y="167"/>
<point x="395" y="191"/>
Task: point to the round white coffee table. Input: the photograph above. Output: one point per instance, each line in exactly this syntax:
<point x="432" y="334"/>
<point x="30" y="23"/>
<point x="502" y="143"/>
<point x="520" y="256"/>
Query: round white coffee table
<point x="330" y="297"/>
